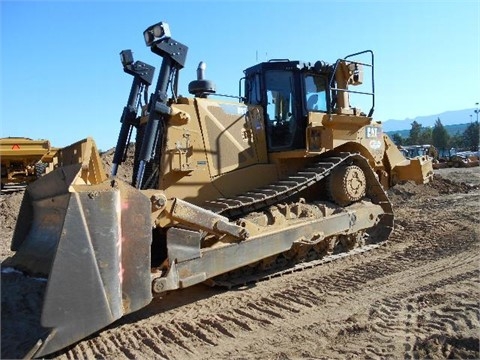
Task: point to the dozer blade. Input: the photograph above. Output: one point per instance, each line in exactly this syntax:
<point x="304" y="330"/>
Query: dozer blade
<point x="93" y="244"/>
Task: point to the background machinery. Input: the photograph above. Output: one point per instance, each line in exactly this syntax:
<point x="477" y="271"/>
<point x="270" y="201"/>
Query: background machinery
<point x="23" y="160"/>
<point x="221" y="190"/>
<point x="443" y="158"/>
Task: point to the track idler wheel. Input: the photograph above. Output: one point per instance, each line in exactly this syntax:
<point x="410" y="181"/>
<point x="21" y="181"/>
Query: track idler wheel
<point x="347" y="184"/>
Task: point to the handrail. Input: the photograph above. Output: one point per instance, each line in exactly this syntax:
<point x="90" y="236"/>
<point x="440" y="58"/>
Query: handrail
<point x="372" y="93"/>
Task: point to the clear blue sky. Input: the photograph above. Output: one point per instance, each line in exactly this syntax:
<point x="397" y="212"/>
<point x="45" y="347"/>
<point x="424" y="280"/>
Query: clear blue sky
<point x="62" y="78"/>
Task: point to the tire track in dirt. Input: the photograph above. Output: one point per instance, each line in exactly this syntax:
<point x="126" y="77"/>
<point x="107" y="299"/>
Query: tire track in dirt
<point x="186" y="334"/>
<point x="392" y="316"/>
<point x="391" y="323"/>
<point x="403" y="315"/>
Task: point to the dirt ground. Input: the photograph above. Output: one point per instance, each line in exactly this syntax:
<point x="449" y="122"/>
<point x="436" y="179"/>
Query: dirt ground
<point x="417" y="297"/>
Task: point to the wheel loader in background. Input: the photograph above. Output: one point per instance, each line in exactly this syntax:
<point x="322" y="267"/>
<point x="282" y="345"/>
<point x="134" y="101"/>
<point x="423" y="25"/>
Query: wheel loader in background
<point x="24" y="160"/>
<point x="222" y="191"/>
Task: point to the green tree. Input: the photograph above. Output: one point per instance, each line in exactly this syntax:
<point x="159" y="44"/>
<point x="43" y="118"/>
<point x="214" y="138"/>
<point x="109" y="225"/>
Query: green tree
<point x="398" y="139"/>
<point x="425" y="136"/>
<point x="440" y="135"/>
<point x="471" y="136"/>
<point x="415" y="131"/>
<point x="456" y="141"/>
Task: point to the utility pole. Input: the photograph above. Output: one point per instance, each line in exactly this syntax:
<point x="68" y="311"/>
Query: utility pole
<point x="476" y="111"/>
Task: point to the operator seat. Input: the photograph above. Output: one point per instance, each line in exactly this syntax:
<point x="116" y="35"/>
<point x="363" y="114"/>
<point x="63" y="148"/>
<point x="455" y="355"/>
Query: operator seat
<point x="312" y="102"/>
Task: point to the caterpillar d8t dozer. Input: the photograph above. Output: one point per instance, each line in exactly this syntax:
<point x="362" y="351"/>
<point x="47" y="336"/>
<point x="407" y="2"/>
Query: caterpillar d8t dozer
<point x="223" y="191"/>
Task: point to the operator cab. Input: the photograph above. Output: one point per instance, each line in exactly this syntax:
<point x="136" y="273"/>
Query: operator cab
<point x="289" y="90"/>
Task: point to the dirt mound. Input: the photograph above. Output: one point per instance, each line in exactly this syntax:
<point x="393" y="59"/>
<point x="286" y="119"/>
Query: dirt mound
<point x="9" y="209"/>
<point x="436" y="187"/>
<point x="125" y="170"/>
<point x="447" y="186"/>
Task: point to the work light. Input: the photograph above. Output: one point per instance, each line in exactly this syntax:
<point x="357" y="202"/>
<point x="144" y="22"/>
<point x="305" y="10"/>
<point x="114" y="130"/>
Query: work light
<point x="156" y="33"/>
<point x="126" y="57"/>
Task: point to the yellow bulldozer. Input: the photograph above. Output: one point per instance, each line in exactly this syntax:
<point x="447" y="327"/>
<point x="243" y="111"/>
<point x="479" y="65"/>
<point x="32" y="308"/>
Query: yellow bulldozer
<point x="24" y="160"/>
<point x="223" y="191"/>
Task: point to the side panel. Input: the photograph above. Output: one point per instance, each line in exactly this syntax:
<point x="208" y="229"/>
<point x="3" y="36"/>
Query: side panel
<point x="219" y="151"/>
<point x="327" y="132"/>
<point x="184" y="168"/>
<point x="228" y="136"/>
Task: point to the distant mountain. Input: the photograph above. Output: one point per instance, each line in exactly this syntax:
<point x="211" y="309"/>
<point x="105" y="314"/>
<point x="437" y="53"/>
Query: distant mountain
<point x="447" y="118"/>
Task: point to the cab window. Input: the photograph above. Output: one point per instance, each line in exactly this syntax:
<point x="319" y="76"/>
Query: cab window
<point x="315" y="93"/>
<point x="252" y="90"/>
<point x="279" y="110"/>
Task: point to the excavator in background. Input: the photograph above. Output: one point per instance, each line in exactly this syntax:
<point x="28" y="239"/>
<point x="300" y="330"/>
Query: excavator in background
<point x="223" y="191"/>
<point x="24" y="160"/>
